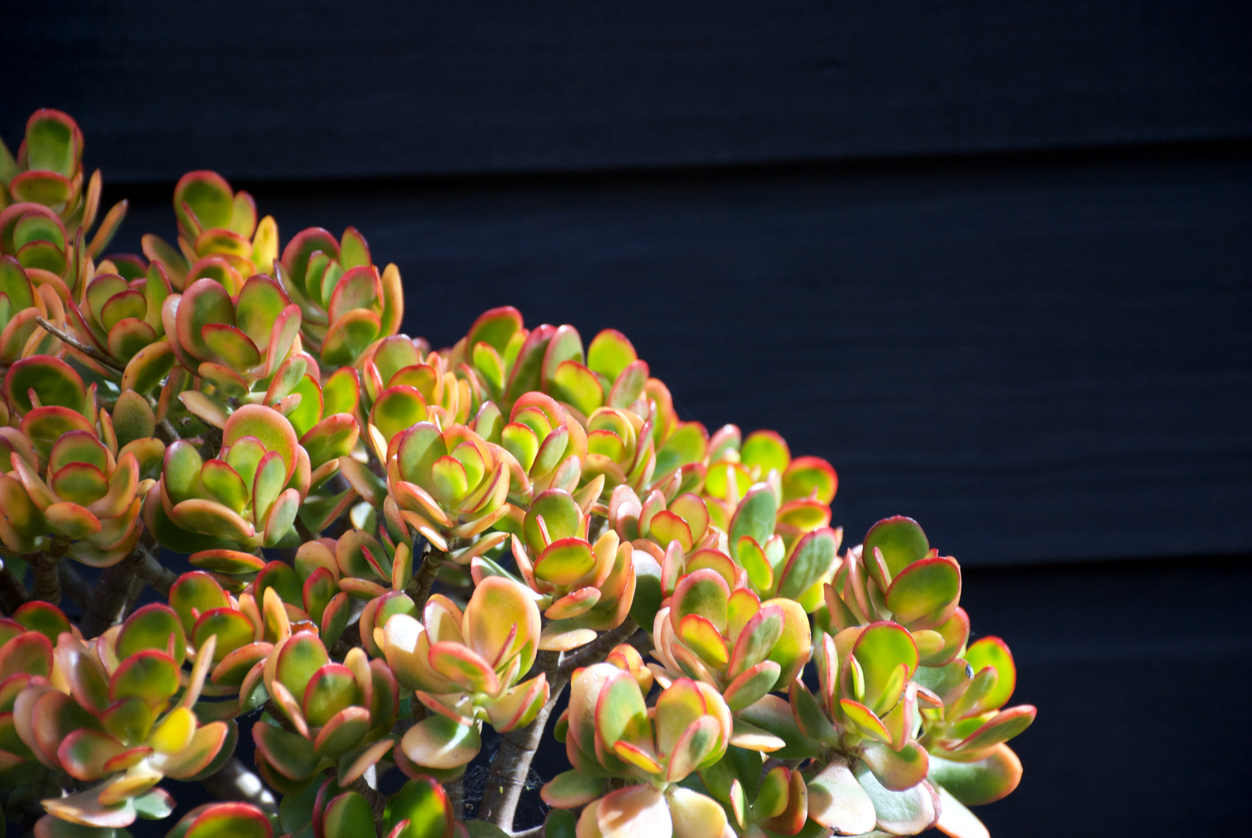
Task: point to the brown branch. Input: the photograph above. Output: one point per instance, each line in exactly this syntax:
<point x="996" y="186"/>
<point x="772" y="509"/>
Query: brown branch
<point x="419" y="588"/>
<point x="47" y="577"/>
<point x="376" y="800"/>
<point x="75" y="343"/>
<point x="152" y="573"/>
<point x="598" y="649"/>
<point x="166" y="433"/>
<point x="12" y="594"/>
<point x="511" y="765"/>
<point x="108" y="601"/>
<point x="235" y="782"/>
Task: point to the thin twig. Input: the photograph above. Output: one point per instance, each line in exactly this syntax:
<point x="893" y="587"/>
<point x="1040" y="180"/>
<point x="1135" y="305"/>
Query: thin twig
<point x="75" y="343"/>
<point x="12" y="594"/>
<point x="47" y="577"/>
<point x="235" y="782"/>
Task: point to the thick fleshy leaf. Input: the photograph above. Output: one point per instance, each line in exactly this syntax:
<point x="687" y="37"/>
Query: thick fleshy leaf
<point x="955" y="820"/>
<point x="897" y="769"/>
<point x="154" y="626"/>
<point x="977" y="783"/>
<point x="571" y="789"/>
<point x="810" y="477"/>
<point x="811" y="560"/>
<point x="440" y="743"/>
<point x="994" y="652"/>
<point x="905" y="812"/>
<point x="755" y="518"/>
<point x="901" y="541"/>
<point x="880" y="649"/>
<point x="926" y="586"/>
<point x="634" y="811"/>
<point x="837" y="801"/>
<point x="420" y="809"/>
<point x="288" y="753"/>
<point x="695" y="815"/>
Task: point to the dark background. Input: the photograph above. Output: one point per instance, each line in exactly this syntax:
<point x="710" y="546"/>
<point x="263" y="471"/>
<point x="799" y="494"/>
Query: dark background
<point x="992" y="260"/>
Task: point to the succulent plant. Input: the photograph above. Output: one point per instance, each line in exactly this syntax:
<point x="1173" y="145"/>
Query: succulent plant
<point x="48" y="172"/>
<point x="396" y="547"/>
<point x="218" y="233"/>
<point x="106" y="714"/>
<point x="610" y="732"/>
<point x="248" y="495"/>
<point x="322" y="713"/>
<point x="466" y="668"/>
<point x="346" y="302"/>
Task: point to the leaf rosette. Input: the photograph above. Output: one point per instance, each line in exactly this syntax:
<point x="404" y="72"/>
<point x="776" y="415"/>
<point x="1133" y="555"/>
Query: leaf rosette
<point x="465" y="667"/>
<point x="218" y="234"/>
<point x="247" y="496"/>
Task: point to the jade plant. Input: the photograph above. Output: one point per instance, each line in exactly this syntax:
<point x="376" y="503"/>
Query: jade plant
<point x="403" y="557"/>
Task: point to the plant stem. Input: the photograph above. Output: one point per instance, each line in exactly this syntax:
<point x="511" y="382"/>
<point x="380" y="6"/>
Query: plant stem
<point x="75" y="343"/>
<point x="74" y="586"/>
<point x="419" y="589"/>
<point x="12" y="594"/>
<point x="108" y="601"/>
<point x="598" y="649"/>
<point x="47" y="577"/>
<point x="511" y="765"/>
<point x="150" y="570"/>
<point x="377" y="802"/>
<point x="235" y="782"/>
<point x="166" y="433"/>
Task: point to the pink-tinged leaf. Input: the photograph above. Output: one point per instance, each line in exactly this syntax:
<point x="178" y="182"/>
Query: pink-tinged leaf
<point x="864" y="720"/>
<point x="905" y="812"/>
<point x="925" y="587"/>
<point x="837" y="801"/>
<point x="994" y="652"/>
<point x="420" y="809"/>
<point x="694" y="747"/>
<point x="464" y="667"/>
<point x="84" y="754"/>
<point x="343" y="732"/>
<point x="977" y="783"/>
<point x="226" y="820"/>
<point x="438" y="742"/>
<point x="571" y="789"/>
<point x="751" y="685"/>
<point x="1002" y="727"/>
<point x="86" y="809"/>
<point x="290" y="754"/>
<point x="634" y="811"/>
<point x="902" y="542"/>
<point x="897" y="769"/>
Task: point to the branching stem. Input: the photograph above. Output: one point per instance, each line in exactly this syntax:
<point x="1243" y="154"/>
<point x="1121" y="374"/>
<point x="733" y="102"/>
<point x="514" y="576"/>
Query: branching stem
<point x="108" y="601"/>
<point x="47" y="577"/>
<point x="75" y="343"/>
<point x="419" y="589"/>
